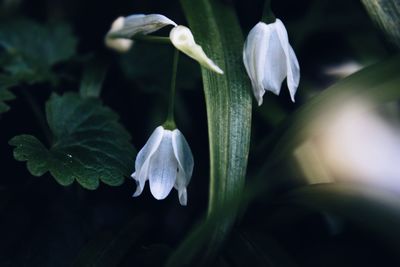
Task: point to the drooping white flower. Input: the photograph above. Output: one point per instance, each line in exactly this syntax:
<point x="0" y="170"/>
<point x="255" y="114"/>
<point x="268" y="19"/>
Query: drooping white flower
<point x="166" y="161"/>
<point x="124" y="28"/>
<point x="182" y="38"/>
<point x="269" y="59"/>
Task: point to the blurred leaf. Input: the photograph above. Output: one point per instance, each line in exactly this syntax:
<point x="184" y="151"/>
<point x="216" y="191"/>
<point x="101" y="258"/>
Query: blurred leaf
<point x="194" y="245"/>
<point x="386" y="13"/>
<point x="28" y="50"/>
<point x="370" y="208"/>
<point x="378" y="83"/>
<point x="92" y="80"/>
<point x="147" y="64"/>
<point x="5" y="95"/>
<point x="256" y="249"/>
<point x="228" y="100"/>
<point x="109" y="249"/>
<point x="37" y="45"/>
<point x="89" y="144"/>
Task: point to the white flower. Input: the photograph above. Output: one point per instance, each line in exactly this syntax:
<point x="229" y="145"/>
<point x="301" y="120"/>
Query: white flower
<point x="124" y="28"/>
<point x="269" y="59"/>
<point x="182" y="38"/>
<point x="166" y="161"/>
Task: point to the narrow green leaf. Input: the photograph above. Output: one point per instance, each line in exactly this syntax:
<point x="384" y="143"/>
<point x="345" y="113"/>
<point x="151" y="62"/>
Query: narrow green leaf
<point x="92" y="80"/>
<point x="228" y="99"/>
<point x="89" y="144"/>
<point x="386" y="13"/>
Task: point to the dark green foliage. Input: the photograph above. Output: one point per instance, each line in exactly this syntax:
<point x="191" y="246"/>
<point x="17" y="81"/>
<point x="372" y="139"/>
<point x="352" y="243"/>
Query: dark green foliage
<point x="29" y="50"/>
<point x="89" y="144"/>
<point x="5" y="95"/>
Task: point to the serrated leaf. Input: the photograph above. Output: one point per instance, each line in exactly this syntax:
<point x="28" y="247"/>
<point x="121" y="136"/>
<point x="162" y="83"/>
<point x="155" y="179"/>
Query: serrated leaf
<point x="89" y="144"/>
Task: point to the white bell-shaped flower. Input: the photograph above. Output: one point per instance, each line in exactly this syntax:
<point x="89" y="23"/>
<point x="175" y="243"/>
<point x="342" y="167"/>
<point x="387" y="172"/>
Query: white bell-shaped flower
<point x="269" y="59"/>
<point x="182" y="38"/>
<point x="124" y="28"/>
<point x="166" y="161"/>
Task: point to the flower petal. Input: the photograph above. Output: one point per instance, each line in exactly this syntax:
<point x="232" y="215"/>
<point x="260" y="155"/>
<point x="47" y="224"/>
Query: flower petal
<point x="183" y="155"/>
<point x="163" y="168"/>
<point x="293" y="68"/>
<point x="275" y="69"/>
<point x="124" y="28"/>
<point x="138" y="24"/>
<point x="143" y="158"/>
<point x="182" y="38"/>
<point x="182" y="194"/>
<point x="119" y="44"/>
<point x="254" y="57"/>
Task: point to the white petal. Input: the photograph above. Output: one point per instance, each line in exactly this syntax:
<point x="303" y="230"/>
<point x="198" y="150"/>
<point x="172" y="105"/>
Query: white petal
<point x="183" y="154"/>
<point x="124" y="28"/>
<point x="275" y="69"/>
<point x="182" y="193"/>
<point x="163" y="168"/>
<point x="184" y="157"/>
<point x="143" y="158"/>
<point x="119" y="44"/>
<point x="254" y="56"/>
<point x="127" y="27"/>
<point x="293" y="68"/>
<point x="182" y="38"/>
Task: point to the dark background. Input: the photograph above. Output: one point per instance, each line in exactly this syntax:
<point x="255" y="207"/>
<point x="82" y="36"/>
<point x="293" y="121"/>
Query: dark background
<point x="45" y="224"/>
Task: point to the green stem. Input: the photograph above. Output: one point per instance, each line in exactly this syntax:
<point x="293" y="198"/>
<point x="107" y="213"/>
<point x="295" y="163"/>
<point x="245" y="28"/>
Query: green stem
<point x="170" y="122"/>
<point x="268" y="16"/>
<point x="39" y="115"/>
<point x="152" y="39"/>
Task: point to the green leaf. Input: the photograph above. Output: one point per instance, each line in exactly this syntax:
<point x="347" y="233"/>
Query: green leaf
<point x="386" y="13"/>
<point x="37" y="44"/>
<point x="92" y="80"/>
<point x="228" y="99"/>
<point x="31" y="49"/>
<point x="89" y="144"/>
<point x="378" y="83"/>
<point x="5" y="95"/>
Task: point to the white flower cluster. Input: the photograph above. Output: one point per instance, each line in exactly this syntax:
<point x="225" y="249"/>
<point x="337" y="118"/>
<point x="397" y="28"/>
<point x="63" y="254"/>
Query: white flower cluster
<point x="166" y="160"/>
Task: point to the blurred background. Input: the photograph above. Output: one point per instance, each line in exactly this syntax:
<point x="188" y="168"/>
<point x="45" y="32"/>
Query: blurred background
<point x="45" y="224"/>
